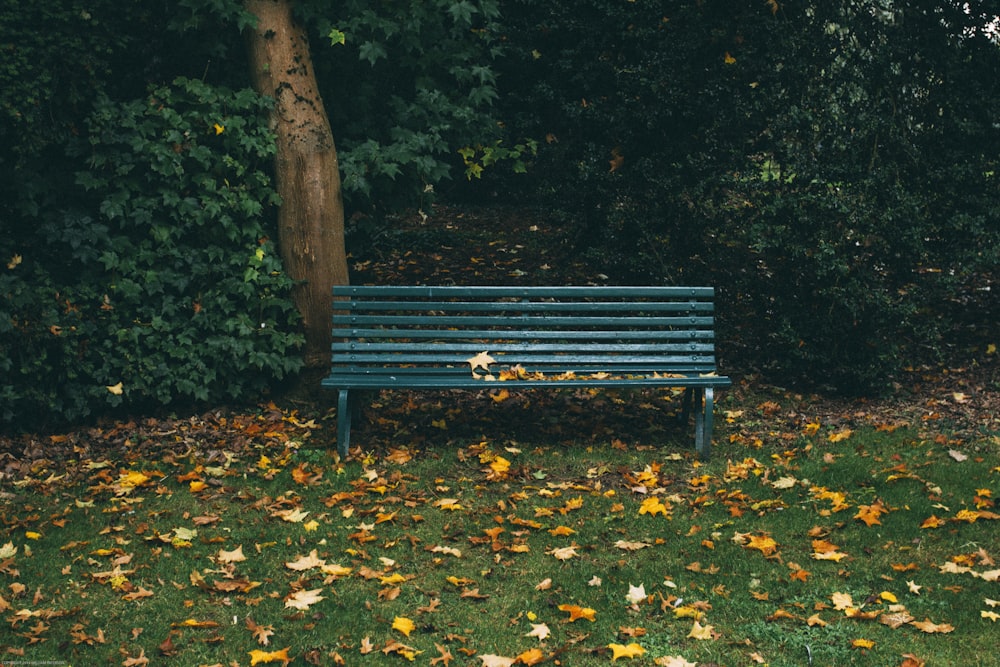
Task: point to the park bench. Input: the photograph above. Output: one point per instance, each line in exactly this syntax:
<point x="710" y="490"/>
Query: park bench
<point x="511" y="337"/>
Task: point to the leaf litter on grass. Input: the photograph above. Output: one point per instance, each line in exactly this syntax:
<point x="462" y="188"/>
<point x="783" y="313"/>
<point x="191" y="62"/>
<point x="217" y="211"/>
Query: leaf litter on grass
<point x="213" y="542"/>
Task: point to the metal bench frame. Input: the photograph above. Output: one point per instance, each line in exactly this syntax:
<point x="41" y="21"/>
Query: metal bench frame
<point x="388" y="337"/>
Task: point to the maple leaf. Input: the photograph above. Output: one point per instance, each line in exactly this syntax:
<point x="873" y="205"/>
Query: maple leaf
<point x="262" y="633"/>
<point x="139" y="661"/>
<point x="306" y="562"/>
<point x="763" y="543"/>
<point x="895" y="620"/>
<point x="403" y="625"/>
<point x="490" y="660"/>
<point x="870" y="513"/>
<point x="653" y="506"/>
<point x="631" y="546"/>
<point x="576" y="612"/>
<point x="564" y="553"/>
<point x="636" y="594"/>
<point x="532" y="656"/>
<point x="927" y="626"/>
<point x="258" y="657"/>
<point x="445" y="655"/>
<point x="303" y="599"/>
<point x="632" y="650"/>
<point x="862" y="643"/>
<point x="234" y="556"/>
<point x="992" y="615"/>
<point x="698" y="631"/>
<point x="481" y="360"/>
<point x="673" y="661"/>
<point x="367" y="647"/>
<point x="842" y="601"/>
<point x="539" y="630"/>
<point x="932" y="522"/>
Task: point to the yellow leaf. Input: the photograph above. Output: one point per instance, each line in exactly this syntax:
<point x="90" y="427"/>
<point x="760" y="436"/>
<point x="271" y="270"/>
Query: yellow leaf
<point x="652" y="507"/>
<point x="115" y="389"/>
<point x="633" y="650"/>
<point x="862" y="643"/>
<point x="842" y="434"/>
<point x="728" y="59"/>
<point x="576" y="612"/>
<point x="403" y="625"/>
<point x="888" y="597"/>
<point x="219" y="129"/>
<point x="990" y="349"/>
<point x="257" y="656"/>
<point x="698" y="631"/>
<point x="561" y="531"/>
<point x="992" y="615"/>
<point x="16" y="259"/>
<point x="197" y="485"/>
<point x="32" y="535"/>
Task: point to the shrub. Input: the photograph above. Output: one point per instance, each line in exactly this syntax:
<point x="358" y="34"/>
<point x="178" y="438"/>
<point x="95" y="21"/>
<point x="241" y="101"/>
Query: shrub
<point x="158" y="282"/>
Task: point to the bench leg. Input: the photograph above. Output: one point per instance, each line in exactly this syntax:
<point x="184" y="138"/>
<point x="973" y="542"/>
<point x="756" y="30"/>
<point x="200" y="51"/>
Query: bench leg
<point x="343" y="423"/>
<point x="703" y="431"/>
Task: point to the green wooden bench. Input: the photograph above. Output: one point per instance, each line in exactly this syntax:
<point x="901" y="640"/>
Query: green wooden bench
<point x="462" y="337"/>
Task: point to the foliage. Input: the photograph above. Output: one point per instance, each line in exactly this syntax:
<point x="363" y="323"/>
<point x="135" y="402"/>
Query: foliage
<point x="159" y="282"/>
<point x="819" y="536"/>
<point x="421" y="87"/>
<point x="822" y="164"/>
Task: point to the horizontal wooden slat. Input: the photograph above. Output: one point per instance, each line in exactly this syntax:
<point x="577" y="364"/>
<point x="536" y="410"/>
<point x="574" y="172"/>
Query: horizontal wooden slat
<point x="535" y="322"/>
<point x="354" y="381"/>
<point x="488" y="292"/>
<point x="502" y="335"/>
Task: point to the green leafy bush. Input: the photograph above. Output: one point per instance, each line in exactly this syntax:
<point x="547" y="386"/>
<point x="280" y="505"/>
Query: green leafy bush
<point x="824" y="165"/>
<point x="159" y="282"/>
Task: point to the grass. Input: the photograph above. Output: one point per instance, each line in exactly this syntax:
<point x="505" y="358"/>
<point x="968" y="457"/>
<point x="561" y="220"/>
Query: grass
<point x="175" y="549"/>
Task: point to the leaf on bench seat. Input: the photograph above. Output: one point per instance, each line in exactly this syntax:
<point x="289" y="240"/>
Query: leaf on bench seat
<point x="481" y="360"/>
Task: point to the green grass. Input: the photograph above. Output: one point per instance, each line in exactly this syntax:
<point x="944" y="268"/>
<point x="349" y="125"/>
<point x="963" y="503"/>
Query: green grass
<point x="97" y="572"/>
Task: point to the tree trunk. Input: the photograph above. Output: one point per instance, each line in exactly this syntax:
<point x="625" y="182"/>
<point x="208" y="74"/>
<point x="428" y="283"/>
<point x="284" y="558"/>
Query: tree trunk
<point x="311" y="217"/>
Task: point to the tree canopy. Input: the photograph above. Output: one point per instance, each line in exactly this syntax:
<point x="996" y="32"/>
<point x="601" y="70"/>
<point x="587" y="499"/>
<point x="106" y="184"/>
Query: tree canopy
<point x="831" y="167"/>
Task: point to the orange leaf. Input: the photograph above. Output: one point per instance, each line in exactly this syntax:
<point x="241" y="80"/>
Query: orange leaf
<point x="532" y="656"/>
<point x="576" y="612"/>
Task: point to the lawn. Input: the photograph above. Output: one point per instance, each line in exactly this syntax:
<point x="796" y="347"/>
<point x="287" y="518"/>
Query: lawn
<point x="574" y="528"/>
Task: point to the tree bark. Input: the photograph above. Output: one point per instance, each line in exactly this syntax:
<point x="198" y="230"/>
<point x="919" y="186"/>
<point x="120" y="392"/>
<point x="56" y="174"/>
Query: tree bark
<point x="307" y="175"/>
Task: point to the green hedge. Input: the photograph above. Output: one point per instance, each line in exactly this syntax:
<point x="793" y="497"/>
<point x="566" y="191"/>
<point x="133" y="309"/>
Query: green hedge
<point x="154" y="279"/>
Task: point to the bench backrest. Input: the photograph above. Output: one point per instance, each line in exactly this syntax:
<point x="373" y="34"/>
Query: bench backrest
<point x="624" y="330"/>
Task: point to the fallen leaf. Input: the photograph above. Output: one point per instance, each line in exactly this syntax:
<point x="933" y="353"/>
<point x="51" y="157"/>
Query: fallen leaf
<point x="303" y="599"/>
<point x="576" y="612"/>
<point x="636" y="594"/>
<point x="927" y="626"/>
<point x="673" y="661"/>
<point x="403" y="625"/>
<point x="306" y="562"/>
<point x="258" y="657"/>
<point x="539" y="630"/>
<point x="481" y="360"/>
<point x="632" y="650"/>
<point x="698" y="631"/>
<point x="532" y="656"/>
<point x="490" y="660"/>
